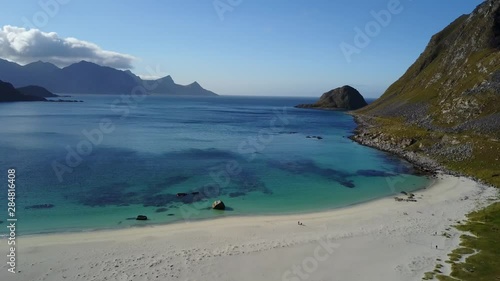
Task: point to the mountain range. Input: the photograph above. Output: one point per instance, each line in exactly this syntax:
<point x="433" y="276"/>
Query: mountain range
<point x="90" y="78"/>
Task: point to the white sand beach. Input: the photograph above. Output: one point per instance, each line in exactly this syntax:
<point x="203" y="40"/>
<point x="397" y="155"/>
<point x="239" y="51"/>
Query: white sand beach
<point x="378" y="240"/>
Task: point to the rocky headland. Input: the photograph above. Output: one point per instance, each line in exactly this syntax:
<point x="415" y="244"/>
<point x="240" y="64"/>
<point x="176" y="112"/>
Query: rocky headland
<point x="342" y="98"/>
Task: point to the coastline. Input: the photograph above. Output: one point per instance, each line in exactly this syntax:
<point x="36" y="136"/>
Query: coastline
<point x="362" y="136"/>
<point x="432" y="180"/>
<point x="237" y="247"/>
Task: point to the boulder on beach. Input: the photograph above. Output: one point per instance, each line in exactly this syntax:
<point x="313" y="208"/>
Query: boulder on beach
<point x="218" y="205"/>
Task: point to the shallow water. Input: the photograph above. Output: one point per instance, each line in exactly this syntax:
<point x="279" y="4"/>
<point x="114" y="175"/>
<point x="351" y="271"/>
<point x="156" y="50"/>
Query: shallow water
<point x="251" y="152"/>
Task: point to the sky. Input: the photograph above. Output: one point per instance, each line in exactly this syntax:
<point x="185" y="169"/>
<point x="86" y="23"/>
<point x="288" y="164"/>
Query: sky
<point x="233" y="47"/>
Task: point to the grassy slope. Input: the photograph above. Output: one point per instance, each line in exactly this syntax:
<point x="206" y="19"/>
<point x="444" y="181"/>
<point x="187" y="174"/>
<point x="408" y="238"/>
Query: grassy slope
<point x="482" y="266"/>
<point x="451" y="65"/>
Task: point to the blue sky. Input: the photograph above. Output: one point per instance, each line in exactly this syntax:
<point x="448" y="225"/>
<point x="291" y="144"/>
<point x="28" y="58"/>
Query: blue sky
<point x="255" y="47"/>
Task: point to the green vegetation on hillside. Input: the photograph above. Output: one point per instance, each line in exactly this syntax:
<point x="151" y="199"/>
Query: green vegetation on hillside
<point x="446" y="107"/>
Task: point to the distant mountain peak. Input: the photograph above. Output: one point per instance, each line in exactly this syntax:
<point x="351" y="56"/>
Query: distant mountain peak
<point x="41" y="64"/>
<point x="167" y="79"/>
<point x="88" y="77"/>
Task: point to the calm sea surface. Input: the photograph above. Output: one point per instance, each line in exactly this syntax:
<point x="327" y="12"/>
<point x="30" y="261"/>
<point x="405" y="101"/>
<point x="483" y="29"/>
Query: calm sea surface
<point x="100" y="163"/>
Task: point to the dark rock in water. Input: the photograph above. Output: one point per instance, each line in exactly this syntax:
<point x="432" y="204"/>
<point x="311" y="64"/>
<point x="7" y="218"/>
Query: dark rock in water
<point x="343" y="98"/>
<point x="181" y="194"/>
<point x="218" y="205"/>
<point x="141" y="218"/>
<point x="60" y="100"/>
<point x="346" y="183"/>
<point x="170" y="215"/>
<point x="161" y="210"/>
<point x="195" y="193"/>
<point x="373" y="173"/>
<point x="41" y="206"/>
<point x="315" y="137"/>
<point x="404" y="192"/>
<point x="236" y="194"/>
<point x="1" y="222"/>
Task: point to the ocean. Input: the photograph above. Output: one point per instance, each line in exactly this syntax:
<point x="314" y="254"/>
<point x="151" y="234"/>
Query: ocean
<point x="100" y="163"/>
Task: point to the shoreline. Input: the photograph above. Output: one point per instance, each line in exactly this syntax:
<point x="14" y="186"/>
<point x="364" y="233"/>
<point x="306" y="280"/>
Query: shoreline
<point x="424" y="164"/>
<point x="432" y="181"/>
<point x="402" y="232"/>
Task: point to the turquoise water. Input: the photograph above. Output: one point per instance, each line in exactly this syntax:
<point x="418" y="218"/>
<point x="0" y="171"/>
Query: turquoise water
<point x="251" y="152"/>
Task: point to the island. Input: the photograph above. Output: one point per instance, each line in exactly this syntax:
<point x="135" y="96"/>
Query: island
<point x="342" y="98"/>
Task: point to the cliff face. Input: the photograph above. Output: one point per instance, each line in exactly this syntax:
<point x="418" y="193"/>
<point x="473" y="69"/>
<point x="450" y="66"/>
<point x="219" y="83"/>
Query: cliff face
<point x="343" y="98"/>
<point x="446" y="105"/>
<point x="455" y="83"/>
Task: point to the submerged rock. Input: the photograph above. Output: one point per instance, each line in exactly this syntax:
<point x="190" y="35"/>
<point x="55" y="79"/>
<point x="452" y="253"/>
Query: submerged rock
<point x="41" y="206"/>
<point x="141" y="218"/>
<point x="315" y="137"/>
<point x="161" y="210"/>
<point x="347" y="183"/>
<point x="373" y="173"/>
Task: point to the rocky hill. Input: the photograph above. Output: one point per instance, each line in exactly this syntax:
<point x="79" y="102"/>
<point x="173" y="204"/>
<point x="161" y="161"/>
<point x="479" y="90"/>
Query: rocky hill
<point x="446" y="106"/>
<point x="8" y="94"/>
<point x="343" y="98"/>
<point x="36" y="91"/>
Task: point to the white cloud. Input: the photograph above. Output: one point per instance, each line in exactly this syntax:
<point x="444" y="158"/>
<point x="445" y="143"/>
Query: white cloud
<point x="24" y="46"/>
